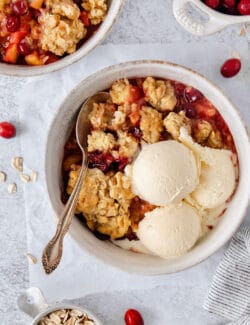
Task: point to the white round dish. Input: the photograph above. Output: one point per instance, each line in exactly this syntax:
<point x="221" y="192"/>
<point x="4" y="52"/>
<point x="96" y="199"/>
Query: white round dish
<point x="106" y="251"/>
<point x="33" y="303"/>
<point x="114" y="7"/>
<point x="216" y="20"/>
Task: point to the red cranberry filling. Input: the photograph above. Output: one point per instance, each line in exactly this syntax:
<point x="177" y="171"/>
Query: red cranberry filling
<point x="24" y="47"/>
<point x="20" y="7"/>
<point x="179" y="88"/>
<point x="190" y="111"/>
<point x="100" y="160"/>
<point x="12" y="23"/>
<point x="136" y="132"/>
<point x="192" y="95"/>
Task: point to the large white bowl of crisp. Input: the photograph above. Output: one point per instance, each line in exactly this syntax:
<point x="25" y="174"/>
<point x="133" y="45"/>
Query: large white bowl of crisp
<point x="168" y="173"/>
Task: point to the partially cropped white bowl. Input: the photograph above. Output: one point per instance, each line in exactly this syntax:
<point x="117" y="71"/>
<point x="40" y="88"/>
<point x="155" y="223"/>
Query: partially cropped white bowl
<point x="114" y="8"/>
<point x="216" y="20"/>
<point x="105" y="250"/>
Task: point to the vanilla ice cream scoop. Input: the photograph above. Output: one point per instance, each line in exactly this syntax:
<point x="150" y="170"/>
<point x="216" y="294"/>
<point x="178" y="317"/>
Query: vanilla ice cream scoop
<point x="164" y="172"/>
<point x="170" y="231"/>
<point x="217" y="175"/>
<point x="217" y="180"/>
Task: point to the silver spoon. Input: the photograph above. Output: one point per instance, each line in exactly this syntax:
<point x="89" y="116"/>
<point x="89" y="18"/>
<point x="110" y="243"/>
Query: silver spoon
<point x="53" y="251"/>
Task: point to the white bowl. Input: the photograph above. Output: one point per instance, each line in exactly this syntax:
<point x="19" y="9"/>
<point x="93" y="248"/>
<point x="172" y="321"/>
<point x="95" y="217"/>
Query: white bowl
<point x="114" y="7"/>
<point x="106" y="251"/>
<point x="216" y="20"/>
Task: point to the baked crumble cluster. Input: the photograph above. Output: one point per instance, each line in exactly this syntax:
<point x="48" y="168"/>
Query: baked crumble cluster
<point x="139" y="111"/>
<point x="38" y="32"/>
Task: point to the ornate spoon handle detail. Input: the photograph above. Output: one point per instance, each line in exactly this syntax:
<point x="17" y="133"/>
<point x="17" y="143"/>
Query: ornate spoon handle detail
<point x="53" y="251"/>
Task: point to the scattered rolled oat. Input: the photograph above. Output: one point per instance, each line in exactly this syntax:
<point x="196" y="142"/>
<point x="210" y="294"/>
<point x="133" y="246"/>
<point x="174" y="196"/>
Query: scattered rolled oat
<point x="25" y="178"/>
<point x="32" y="259"/>
<point x="3" y="177"/>
<point x="17" y="163"/>
<point x="12" y="188"/>
<point x="243" y="31"/>
<point x="66" y="317"/>
<point x="34" y="176"/>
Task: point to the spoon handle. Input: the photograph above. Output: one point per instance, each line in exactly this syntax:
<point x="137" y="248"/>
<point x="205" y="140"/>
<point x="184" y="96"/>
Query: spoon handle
<point x="53" y="251"/>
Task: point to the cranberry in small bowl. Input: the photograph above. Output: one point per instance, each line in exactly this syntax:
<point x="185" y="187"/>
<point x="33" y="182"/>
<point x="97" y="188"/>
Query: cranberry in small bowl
<point x="41" y="36"/>
<point x="220" y="13"/>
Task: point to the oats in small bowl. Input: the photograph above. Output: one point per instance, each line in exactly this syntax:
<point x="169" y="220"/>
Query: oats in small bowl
<point x="66" y="317"/>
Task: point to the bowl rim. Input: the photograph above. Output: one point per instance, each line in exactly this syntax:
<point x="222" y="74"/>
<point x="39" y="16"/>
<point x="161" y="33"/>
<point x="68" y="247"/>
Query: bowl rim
<point x="16" y="70"/>
<point x="89" y="79"/>
<point x="218" y="14"/>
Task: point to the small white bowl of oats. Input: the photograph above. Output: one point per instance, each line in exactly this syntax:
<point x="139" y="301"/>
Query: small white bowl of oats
<point x="167" y="179"/>
<point x="42" y="36"/>
<point x="33" y="303"/>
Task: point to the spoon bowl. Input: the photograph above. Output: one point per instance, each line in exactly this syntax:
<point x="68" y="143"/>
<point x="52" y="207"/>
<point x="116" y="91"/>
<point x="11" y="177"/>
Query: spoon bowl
<point x="82" y="124"/>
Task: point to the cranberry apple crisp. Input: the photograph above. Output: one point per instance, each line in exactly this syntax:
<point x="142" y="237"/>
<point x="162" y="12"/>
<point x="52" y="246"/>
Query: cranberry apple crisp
<point x="38" y="32"/>
<point x="143" y="113"/>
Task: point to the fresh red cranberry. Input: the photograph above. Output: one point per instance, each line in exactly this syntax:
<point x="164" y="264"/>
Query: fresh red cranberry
<point x="20" y="7"/>
<point x="190" y="111"/>
<point x="212" y="3"/>
<point x="230" y="68"/>
<point x="133" y="317"/>
<point x="230" y="4"/>
<point x="192" y="95"/>
<point x="244" y="7"/>
<point x="12" y="23"/>
<point x="7" y="130"/>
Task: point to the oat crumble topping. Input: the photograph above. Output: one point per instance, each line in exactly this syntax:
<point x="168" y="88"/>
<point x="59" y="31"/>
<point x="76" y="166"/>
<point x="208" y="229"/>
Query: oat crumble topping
<point x="101" y="115"/>
<point x="151" y="124"/>
<point x="38" y="32"/>
<point x="120" y="92"/>
<point x="202" y="131"/>
<point x="173" y="122"/>
<point x="104" y="200"/>
<point x="160" y="94"/>
<point x="96" y="9"/>
<point x="60" y="34"/>
<point x="129" y="146"/>
<point x="101" y="141"/>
